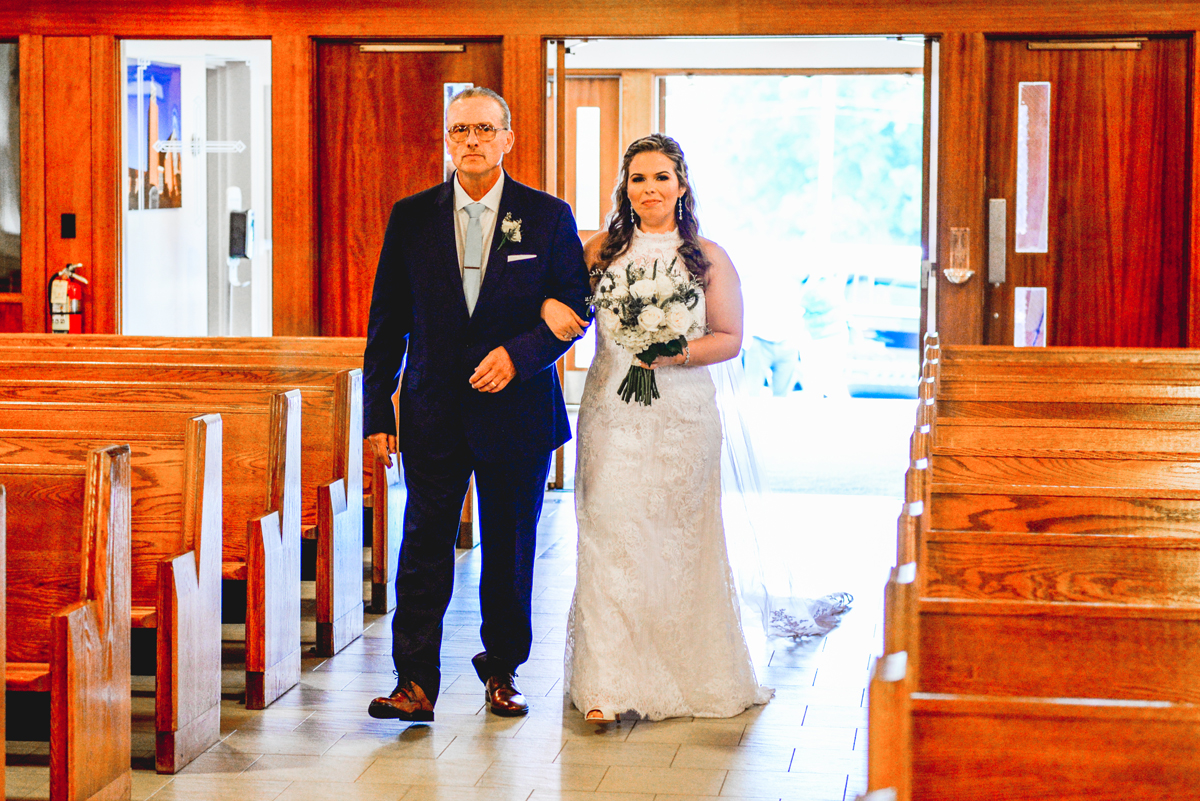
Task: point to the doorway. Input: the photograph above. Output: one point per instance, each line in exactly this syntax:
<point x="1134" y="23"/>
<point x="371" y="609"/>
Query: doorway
<point x="807" y="158"/>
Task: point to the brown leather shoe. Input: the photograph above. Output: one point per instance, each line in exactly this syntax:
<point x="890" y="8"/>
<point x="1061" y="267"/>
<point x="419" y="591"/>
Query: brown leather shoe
<point x="503" y="697"/>
<point x="499" y="688"/>
<point x="407" y="702"/>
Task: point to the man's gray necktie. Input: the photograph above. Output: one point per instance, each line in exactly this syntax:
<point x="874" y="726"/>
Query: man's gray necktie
<point x="473" y="256"/>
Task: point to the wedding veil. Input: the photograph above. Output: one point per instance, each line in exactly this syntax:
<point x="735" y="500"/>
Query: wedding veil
<point x="765" y="571"/>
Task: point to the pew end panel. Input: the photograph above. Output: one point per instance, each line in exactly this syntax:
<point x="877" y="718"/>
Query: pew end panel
<point x="889" y="750"/>
<point x="90" y="736"/>
<point x="900" y="614"/>
<point x="339" y="612"/>
<point x="273" y="565"/>
<point x="340" y="522"/>
<point x="272" y="613"/>
<point x="188" y="690"/>
<point x="388" y="493"/>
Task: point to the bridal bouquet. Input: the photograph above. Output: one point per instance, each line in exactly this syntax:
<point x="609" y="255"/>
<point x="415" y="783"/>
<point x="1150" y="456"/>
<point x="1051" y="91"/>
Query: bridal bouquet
<point x="647" y="308"/>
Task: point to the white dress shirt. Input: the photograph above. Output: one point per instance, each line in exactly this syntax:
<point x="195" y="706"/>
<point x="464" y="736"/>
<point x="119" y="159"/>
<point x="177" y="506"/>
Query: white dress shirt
<point x="491" y="204"/>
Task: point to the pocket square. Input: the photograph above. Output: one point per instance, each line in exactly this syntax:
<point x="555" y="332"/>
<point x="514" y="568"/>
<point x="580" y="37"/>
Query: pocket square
<point x="522" y="256"/>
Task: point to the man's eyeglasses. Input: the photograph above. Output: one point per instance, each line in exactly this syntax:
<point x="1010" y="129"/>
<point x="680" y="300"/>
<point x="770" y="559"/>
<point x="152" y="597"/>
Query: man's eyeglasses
<point x="483" y="131"/>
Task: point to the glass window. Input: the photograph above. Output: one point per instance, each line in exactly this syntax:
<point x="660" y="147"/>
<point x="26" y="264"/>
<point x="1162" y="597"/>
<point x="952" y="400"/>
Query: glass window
<point x="812" y="183"/>
<point x="10" y="170"/>
<point x="197" y="209"/>
<point x="1033" y="166"/>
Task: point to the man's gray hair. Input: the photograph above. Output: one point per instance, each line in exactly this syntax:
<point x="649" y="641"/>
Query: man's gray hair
<point x="483" y="91"/>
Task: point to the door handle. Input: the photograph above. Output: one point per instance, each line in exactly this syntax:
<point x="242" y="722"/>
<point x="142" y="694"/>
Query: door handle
<point x="997" y="239"/>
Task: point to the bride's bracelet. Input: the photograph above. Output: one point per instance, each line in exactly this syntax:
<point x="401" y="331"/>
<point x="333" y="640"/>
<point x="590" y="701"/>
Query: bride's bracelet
<point x="687" y="354"/>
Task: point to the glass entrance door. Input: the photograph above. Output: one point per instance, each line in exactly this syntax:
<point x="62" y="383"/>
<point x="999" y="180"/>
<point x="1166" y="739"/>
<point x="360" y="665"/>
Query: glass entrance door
<point x="196" y="248"/>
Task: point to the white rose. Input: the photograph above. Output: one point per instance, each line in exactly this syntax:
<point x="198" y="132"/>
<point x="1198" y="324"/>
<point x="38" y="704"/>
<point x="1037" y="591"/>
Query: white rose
<point x="679" y="319"/>
<point x="620" y="292"/>
<point x="608" y="319"/>
<point x="664" y="285"/>
<point x="651" y="318"/>
<point x="643" y="289"/>
<point x="511" y="228"/>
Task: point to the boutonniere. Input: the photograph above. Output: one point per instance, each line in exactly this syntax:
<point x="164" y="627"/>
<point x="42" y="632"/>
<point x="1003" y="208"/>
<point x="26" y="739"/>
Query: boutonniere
<point x="510" y="230"/>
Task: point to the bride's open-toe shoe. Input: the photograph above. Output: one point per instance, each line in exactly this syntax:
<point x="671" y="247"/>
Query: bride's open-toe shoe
<point x="599" y="716"/>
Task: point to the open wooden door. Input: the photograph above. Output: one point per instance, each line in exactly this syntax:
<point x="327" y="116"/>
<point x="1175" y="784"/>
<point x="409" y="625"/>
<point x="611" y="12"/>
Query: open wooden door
<point x="380" y="122"/>
<point x="1086" y="176"/>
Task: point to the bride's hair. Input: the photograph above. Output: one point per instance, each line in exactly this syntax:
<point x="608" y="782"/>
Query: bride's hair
<point x="621" y="220"/>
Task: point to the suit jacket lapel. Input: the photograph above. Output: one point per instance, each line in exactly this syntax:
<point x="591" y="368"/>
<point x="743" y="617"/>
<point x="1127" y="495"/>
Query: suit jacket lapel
<point x="497" y="260"/>
<point x="447" y="266"/>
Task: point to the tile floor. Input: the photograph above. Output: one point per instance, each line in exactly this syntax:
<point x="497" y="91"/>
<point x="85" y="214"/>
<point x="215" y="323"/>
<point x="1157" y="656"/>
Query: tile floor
<point x="316" y="743"/>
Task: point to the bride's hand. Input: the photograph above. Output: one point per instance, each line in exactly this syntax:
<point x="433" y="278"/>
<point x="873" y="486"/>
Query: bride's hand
<point x="562" y="320"/>
<point x="661" y="361"/>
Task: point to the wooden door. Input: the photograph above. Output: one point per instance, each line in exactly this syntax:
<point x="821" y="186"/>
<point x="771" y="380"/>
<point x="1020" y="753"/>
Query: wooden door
<point x="1108" y="184"/>
<point x="600" y="96"/>
<point x="379" y="139"/>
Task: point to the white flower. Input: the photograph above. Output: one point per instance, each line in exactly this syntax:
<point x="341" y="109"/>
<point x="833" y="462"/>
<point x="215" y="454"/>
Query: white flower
<point x="643" y="289"/>
<point x="608" y="319"/>
<point x="620" y="292"/>
<point x="651" y="318"/>
<point x="510" y="228"/>
<point x="664" y="285"/>
<point x="679" y="319"/>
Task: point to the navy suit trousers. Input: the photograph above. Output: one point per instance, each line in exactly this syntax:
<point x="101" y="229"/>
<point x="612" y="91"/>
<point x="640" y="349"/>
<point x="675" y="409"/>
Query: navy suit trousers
<point x="510" y="503"/>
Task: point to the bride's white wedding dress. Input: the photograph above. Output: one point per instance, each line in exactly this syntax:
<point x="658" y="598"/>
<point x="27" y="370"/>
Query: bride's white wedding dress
<point x="654" y="626"/>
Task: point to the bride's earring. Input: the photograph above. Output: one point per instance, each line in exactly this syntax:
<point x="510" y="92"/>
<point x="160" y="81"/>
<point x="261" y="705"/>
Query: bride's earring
<point x="679" y="208"/>
<point x="632" y="217"/>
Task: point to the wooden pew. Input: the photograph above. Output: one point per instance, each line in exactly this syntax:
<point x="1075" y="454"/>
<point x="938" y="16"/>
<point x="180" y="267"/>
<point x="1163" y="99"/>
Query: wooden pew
<point x="332" y="396"/>
<point x="260" y="496"/>
<point x="348" y="348"/>
<point x="1041" y="749"/>
<point x="1070" y="383"/>
<point x="176" y="564"/>
<point x="68" y="611"/>
<point x="1059" y="604"/>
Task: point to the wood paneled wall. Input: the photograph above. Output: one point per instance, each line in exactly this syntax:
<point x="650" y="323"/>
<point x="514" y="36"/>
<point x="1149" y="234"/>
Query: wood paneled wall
<point x="69" y="47"/>
<point x="294" y="185"/>
<point x="960" y="182"/>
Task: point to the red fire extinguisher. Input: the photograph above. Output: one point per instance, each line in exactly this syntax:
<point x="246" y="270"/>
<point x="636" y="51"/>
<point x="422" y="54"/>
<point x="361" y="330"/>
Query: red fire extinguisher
<point x="66" y="301"/>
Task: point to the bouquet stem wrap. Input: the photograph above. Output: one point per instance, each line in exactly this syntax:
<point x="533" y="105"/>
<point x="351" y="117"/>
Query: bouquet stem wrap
<point x="640" y="383"/>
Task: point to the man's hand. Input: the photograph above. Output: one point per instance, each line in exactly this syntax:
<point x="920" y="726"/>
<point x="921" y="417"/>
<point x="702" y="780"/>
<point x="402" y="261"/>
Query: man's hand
<point x="384" y="446"/>
<point x="495" y="371"/>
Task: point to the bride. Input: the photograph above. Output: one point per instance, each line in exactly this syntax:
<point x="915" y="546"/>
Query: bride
<point x="654" y="627"/>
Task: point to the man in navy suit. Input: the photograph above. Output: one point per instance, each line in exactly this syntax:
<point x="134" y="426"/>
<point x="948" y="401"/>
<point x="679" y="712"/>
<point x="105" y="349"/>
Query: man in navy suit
<point x="463" y="273"/>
